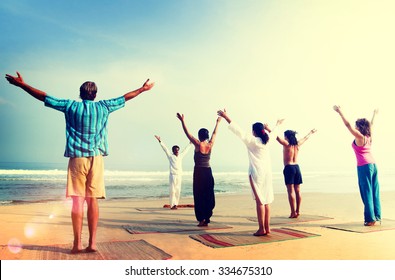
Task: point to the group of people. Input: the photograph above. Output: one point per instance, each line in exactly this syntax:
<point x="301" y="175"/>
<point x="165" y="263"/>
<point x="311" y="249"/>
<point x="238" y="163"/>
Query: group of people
<point x="86" y="145"/>
<point x="260" y="174"/>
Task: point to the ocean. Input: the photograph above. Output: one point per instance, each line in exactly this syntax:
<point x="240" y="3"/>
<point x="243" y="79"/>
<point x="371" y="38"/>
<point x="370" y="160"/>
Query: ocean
<point x="31" y="183"/>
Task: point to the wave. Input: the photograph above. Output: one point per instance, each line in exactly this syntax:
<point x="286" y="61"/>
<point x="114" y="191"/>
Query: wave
<point x="31" y="185"/>
<point x="32" y="172"/>
<point x="21" y="201"/>
<point x="153" y="174"/>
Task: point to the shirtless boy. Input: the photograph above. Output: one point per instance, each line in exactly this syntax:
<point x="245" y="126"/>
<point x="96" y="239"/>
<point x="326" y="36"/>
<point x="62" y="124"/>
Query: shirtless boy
<point x="292" y="174"/>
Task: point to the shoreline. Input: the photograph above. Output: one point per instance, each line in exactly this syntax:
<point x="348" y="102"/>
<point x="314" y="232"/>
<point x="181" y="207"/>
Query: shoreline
<point x="50" y="224"/>
<point x="49" y="186"/>
<point x="140" y="199"/>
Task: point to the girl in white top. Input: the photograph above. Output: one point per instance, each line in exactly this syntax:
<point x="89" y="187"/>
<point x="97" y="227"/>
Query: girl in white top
<point x="260" y="169"/>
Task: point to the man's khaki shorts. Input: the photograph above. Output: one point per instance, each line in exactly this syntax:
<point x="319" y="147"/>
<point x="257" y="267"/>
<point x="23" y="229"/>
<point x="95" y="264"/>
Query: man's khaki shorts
<point x="85" y="177"/>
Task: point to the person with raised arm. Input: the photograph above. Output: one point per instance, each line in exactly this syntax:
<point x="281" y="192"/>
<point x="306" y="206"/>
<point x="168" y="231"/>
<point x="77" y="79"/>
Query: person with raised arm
<point x="86" y="145"/>
<point x="292" y="174"/>
<point x="175" y="171"/>
<point x="260" y="168"/>
<point x="203" y="180"/>
<point x="368" y="181"/>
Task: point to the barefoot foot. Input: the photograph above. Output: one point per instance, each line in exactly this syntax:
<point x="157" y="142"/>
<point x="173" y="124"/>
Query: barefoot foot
<point x="76" y="251"/>
<point x="202" y="224"/>
<point x="260" y="233"/>
<point x="90" y="250"/>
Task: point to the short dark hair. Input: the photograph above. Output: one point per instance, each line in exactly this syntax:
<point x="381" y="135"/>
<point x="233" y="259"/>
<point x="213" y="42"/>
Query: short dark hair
<point x="88" y="91"/>
<point x="363" y="126"/>
<point x="291" y="136"/>
<point x="203" y="134"/>
<point x="175" y="147"/>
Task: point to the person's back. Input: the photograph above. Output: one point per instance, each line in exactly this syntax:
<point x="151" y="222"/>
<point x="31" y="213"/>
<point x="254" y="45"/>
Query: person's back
<point x="368" y="182"/>
<point x="201" y="159"/>
<point x="203" y="180"/>
<point x="204" y="145"/>
<point x="290" y="154"/>
<point x="363" y="152"/>
<point x="203" y="149"/>
<point x="86" y="137"/>
<point x="86" y="124"/>
<point x="292" y="174"/>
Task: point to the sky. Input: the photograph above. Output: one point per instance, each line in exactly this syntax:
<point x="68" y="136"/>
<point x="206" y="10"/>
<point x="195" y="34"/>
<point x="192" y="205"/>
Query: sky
<point x="262" y="60"/>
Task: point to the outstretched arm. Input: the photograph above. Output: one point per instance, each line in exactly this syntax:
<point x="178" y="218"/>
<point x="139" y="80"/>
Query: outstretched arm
<point x="274" y="131"/>
<point x="164" y="147"/>
<point x="185" y="150"/>
<point x="193" y="140"/>
<point x="234" y="127"/>
<point x="301" y="141"/>
<point x="19" y="82"/>
<point x="353" y="130"/>
<point x="375" y="112"/>
<point x="278" y="123"/>
<point x="282" y="141"/>
<point x="279" y="139"/>
<point x="214" y="135"/>
<point x="132" y="94"/>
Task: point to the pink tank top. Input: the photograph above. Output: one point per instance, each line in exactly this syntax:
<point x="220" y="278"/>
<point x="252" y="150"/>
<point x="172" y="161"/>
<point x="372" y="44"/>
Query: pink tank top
<point x="363" y="153"/>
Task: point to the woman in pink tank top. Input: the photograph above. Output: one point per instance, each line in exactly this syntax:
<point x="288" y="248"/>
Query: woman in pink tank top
<point x="366" y="167"/>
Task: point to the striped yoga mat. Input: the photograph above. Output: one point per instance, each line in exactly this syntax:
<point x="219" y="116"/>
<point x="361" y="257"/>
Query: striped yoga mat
<point x="229" y="239"/>
<point x="386" y="224"/>
<point x="166" y="207"/>
<point x="170" y="226"/>
<point x="282" y="220"/>
<point x="118" y="250"/>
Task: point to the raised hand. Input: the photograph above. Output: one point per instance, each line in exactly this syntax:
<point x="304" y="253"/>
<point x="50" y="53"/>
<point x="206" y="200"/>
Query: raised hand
<point x="147" y="85"/>
<point x="337" y="108"/>
<point x="280" y="121"/>
<point x="180" y="117"/>
<point x="223" y="114"/>
<point x="15" y="80"/>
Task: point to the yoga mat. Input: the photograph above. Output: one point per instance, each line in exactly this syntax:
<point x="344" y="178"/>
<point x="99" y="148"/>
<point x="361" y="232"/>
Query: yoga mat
<point x="119" y="250"/>
<point x="386" y="224"/>
<point x="180" y="206"/>
<point x="282" y="220"/>
<point x="230" y="239"/>
<point x="168" y="227"/>
<point x="166" y="207"/>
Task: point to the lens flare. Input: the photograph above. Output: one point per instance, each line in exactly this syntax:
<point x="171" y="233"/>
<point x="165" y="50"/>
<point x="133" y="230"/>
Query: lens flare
<point x="14" y="246"/>
<point x="29" y="231"/>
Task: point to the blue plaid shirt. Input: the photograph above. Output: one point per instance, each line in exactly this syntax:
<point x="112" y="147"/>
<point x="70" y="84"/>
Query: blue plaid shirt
<point x="86" y="124"/>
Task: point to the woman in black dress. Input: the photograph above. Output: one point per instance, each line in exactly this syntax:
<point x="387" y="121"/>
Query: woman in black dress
<point x="203" y="180"/>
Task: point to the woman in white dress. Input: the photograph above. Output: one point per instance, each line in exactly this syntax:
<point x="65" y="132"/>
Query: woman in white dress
<point x="260" y="169"/>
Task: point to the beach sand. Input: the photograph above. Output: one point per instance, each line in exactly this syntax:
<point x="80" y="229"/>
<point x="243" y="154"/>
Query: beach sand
<point x="49" y="224"/>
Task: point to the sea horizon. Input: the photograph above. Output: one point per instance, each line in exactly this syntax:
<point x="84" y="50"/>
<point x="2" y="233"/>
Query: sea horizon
<point x="22" y="182"/>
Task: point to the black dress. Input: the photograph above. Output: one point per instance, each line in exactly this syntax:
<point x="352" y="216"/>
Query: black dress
<point x="203" y="187"/>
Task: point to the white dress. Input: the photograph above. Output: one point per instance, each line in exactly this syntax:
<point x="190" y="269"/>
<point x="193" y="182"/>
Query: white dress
<point x="260" y="167"/>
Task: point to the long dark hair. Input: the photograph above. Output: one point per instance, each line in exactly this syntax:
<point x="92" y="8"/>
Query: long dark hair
<point x="291" y="136"/>
<point x="363" y="126"/>
<point x="259" y="130"/>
